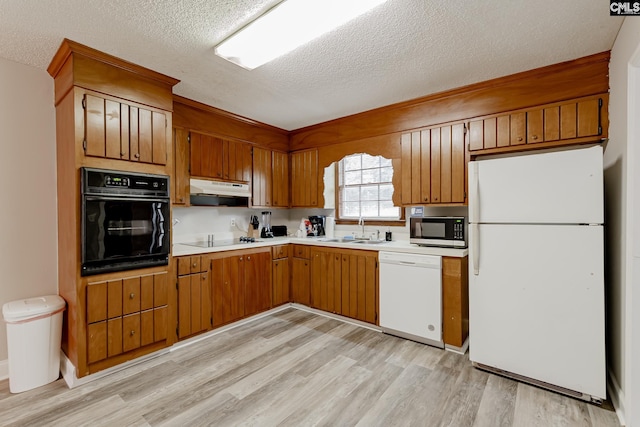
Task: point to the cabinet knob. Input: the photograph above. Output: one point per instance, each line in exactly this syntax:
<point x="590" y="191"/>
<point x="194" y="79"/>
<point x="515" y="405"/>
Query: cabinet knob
<point x="132" y="295"/>
<point x="519" y="138"/>
<point x="535" y="137"/>
<point x="137" y="155"/>
<point x="132" y="333"/>
<point x="248" y="258"/>
<point x="194" y="265"/>
<point x="121" y="154"/>
<point x="240" y="258"/>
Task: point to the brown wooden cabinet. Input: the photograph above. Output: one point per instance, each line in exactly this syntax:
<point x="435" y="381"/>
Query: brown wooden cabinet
<point x="434" y="165"/>
<point x="194" y="295"/>
<point x="125" y="131"/>
<point x="345" y="282"/>
<point x="455" y="301"/>
<point x="110" y="114"/>
<point x="576" y="121"/>
<point x="301" y="275"/>
<point x="281" y="274"/>
<point x="180" y="167"/>
<point x="262" y="181"/>
<point x="217" y="158"/>
<point x="270" y="179"/>
<point x="304" y="179"/>
<point x="241" y="283"/>
<point x="124" y="314"/>
<point x="280" y="179"/>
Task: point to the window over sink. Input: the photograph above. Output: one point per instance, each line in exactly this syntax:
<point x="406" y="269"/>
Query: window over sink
<point x="365" y="188"/>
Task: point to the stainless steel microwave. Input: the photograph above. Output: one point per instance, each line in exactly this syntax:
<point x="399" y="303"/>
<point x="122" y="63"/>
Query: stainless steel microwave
<point x="440" y="231"/>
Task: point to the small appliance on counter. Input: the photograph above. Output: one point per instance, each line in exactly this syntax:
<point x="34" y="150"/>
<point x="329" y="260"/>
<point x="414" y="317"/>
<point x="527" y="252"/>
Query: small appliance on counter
<point x="279" y="230"/>
<point x="317" y="225"/>
<point x="266" y="225"/>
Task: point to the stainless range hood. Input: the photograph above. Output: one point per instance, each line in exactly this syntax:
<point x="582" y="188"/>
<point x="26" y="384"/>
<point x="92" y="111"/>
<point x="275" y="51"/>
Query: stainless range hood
<point x="217" y="193"/>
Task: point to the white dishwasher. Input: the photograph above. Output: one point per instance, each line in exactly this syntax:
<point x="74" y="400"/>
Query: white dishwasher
<point x="411" y="296"/>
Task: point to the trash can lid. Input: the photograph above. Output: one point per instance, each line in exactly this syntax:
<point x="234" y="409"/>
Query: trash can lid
<point x="24" y="309"/>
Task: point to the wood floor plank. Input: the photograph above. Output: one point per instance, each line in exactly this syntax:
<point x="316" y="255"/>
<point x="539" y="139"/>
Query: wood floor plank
<point x="294" y="367"/>
<point x="498" y="403"/>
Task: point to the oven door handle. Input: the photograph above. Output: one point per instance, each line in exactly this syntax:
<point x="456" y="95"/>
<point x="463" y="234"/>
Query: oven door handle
<point x="127" y="199"/>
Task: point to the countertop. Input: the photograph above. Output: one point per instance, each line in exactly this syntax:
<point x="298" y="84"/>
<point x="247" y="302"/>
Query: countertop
<point x="181" y="249"/>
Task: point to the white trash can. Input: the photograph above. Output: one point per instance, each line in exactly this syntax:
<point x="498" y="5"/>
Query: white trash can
<point x="34" y="330"/>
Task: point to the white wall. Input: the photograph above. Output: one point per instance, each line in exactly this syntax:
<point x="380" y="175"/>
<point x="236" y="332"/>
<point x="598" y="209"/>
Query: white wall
<point x="623" y="295"/>
<point x="28" y="227"/>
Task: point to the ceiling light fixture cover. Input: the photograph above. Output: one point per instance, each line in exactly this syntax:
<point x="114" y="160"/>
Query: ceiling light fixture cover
<point x="288" y="25"/>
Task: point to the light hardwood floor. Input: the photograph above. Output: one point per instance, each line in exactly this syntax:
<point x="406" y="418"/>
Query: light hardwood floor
<point x="295" y="368"/>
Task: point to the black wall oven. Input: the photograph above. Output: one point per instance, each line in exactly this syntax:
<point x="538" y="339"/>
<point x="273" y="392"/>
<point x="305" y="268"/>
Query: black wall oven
<point x="125" y="220"/>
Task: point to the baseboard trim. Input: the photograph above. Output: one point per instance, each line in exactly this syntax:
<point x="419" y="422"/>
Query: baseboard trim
<point x="4" y="369"/>
<point x="459" y="350"/>
<point x="68" y="370"/>
<point x="617" y="397"/>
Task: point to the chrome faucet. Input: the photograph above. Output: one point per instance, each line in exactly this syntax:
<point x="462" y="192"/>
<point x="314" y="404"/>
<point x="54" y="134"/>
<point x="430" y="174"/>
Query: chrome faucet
<point x="361" y="224"/>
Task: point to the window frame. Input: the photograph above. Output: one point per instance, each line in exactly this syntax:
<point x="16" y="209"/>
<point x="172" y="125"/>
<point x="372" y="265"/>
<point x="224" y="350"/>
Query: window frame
<point x="369" y="220"/>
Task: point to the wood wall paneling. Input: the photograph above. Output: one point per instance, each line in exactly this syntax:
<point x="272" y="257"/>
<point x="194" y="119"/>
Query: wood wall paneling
<point x="567" y="80"/>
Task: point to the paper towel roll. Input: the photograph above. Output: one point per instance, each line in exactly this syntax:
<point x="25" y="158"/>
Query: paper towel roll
<point x="329" y="226"/>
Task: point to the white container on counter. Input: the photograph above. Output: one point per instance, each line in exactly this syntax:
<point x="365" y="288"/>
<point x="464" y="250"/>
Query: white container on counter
<point x="329" y="227"/>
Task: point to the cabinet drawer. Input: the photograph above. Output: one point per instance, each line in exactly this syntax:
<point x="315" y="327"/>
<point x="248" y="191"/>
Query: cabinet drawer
<point x="131" y="332"/>
<point x="301" y="251"/>
<point x="190" y="265"/>
<point x="131" y="295"/>
<point x="280" y="251"/>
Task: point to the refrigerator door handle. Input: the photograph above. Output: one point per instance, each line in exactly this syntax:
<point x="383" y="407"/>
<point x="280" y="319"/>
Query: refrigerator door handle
<point x="475" y="248"/>
<point x="475" y="211"/>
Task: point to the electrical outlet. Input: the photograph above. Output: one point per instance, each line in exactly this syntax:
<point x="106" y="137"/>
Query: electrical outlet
<point x="233" y="222"/>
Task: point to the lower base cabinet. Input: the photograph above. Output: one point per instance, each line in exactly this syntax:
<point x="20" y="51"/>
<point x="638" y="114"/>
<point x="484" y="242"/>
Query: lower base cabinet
<point x="194" y="296"/>
<point x="281" y="275"/>
<point x="455" y="300"/>
<point x="345" y="282"/>
<point x="301" y="275"/>
<point x="125" y="314"/>
<point x="241" y="284"/>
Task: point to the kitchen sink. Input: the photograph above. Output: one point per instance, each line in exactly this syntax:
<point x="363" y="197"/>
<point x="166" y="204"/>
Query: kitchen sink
<point x="370" y="242"/>
<point x="352" y="240"/>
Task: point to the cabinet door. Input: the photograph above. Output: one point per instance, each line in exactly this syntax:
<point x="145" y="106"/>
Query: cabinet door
<point x="518" y="128"/>
<point x="97" y="341"/>
<point x="96" y="302"/>
<point x="257" y="282"/>
<point x="319" y="279"/>
<point x="205" y="156"/>
<point x="280" y="281"/>
<point x="300" y="281"/>
<point x="304" y="178"/>
<point x="261" y="179"/>
<point x="589" y="117"/>
<point x="455" y="301"/>
<point x="228" y="289"/>
<point x="184" y="306"/>
<point x="359" y="287"/>
<point x="120" y="131"/>
<point x="458" y="164"/>
<point x="535" y="126"/>
<point x="280" y="181"/>
<point x="181" y="167"/>
<point x="236" y="161"/>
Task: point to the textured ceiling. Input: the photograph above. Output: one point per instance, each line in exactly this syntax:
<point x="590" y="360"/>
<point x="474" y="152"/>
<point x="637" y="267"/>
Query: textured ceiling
<point x="401" y="50"/>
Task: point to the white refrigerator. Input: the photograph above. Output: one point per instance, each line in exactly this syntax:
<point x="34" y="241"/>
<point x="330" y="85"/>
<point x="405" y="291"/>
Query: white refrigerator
<point x="536" y="271"/>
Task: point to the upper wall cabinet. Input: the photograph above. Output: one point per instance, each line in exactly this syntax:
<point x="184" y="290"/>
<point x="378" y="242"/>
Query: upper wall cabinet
<point x="304" y="179"/>
<point x="212" y="157"/>
<point x="270" y="178"/>
<point x="577" y="121"/>
<point x="434" y="166"/>
<point x="119" y="130"/>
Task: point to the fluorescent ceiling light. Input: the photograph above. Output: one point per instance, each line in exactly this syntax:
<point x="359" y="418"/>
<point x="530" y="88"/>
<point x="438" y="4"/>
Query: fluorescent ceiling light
<point x="290" y="24"/>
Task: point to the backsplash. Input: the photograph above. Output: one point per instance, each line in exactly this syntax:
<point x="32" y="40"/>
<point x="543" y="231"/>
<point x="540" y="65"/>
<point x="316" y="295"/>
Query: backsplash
<point x="194" y="222"/>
